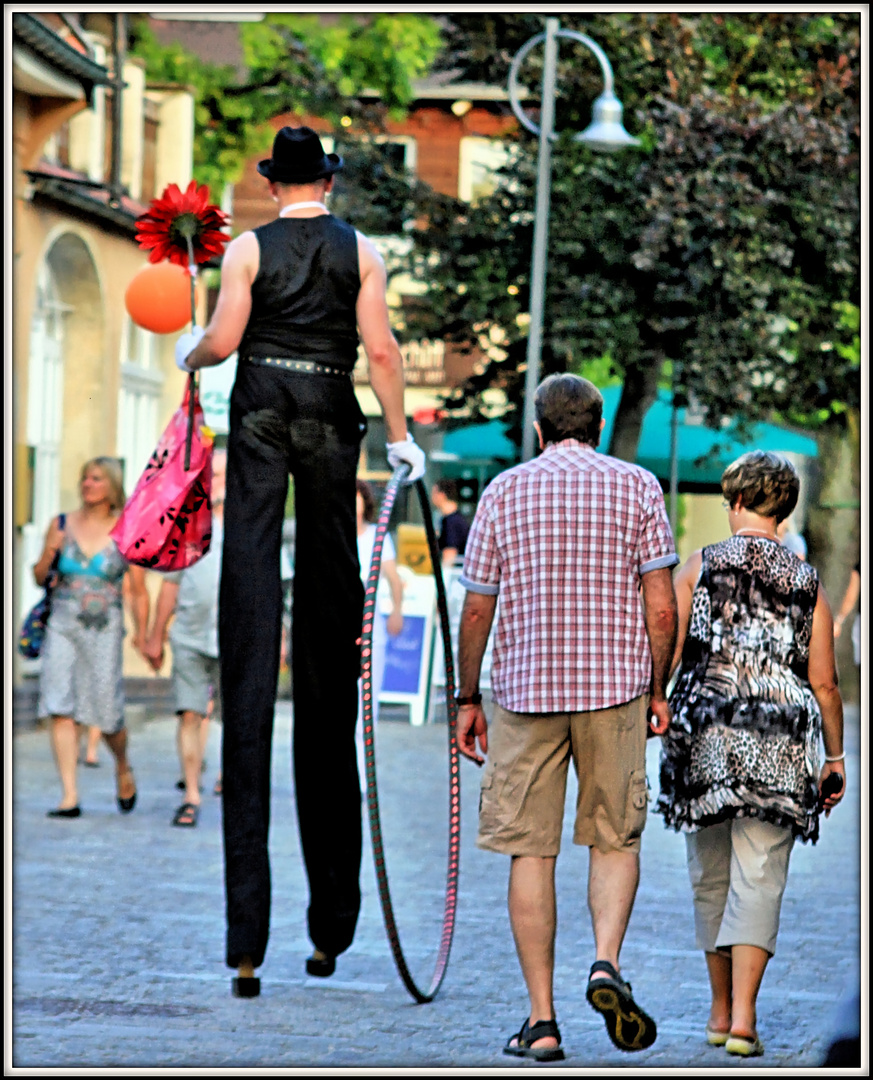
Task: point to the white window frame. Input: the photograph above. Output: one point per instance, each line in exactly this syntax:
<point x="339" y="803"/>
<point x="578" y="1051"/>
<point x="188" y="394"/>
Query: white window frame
<point x="139" y="398"/>
<point x="44" y="426"/>
<point x="388" y="242"/>
<point x="410" y="157"/>
<point x="478" y="156"/>
<point x="45" y="393"/>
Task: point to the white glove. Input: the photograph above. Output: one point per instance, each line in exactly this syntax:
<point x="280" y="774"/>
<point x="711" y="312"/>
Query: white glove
<point x="409" y="452"/>
<point x="186" y="344"/>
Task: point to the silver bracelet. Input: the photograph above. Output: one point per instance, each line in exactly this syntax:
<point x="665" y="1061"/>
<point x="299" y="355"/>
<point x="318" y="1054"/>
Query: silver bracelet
<point x="840" y="758"/>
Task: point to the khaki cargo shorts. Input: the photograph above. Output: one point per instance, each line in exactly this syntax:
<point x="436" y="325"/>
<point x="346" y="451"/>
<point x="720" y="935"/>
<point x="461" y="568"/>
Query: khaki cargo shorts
<point x="196" y="681"/>
<point x="521" y="805"/>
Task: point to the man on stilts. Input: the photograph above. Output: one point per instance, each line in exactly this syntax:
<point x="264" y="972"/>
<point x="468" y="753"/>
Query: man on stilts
<point x="295" y="294"/>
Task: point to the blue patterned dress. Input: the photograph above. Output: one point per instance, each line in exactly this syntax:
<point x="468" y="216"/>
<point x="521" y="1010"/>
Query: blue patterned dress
<point x="81" y="672"/>
<point x="744" y="739"/>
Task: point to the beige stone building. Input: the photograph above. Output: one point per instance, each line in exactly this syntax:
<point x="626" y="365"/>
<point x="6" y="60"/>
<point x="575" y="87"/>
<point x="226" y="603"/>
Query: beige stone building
<point x="89" y="151"/>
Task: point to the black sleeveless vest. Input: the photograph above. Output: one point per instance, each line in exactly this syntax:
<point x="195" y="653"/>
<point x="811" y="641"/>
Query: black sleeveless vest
<point x="305" y="292"/>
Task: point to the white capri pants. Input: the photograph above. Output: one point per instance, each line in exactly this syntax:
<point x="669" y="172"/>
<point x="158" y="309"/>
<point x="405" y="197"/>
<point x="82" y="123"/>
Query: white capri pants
<point x="738" y="871"/>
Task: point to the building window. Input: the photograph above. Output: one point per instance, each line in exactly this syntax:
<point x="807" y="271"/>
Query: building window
<point x="45" y="394"/>
<point x="57" y="146"/>
<point x="138" y="401"/>
<point x="373" y="191"/>
<point x="44" y="424"/>
<point x="479" y="161"/>
<point x="151" y="123"/>
<point x="138" y="347"/>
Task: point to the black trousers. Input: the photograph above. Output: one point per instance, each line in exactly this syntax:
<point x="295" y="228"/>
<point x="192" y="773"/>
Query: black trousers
<point x="310" y="426"/>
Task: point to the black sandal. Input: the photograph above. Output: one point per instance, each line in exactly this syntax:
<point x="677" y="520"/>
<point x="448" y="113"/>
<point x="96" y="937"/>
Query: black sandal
<point x="542" y="1029"/>
<point x="629" y="1027"/>
<point x="186" y="815"/>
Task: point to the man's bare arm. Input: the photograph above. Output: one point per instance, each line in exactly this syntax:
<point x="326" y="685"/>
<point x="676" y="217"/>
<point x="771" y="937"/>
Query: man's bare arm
<point x="660" y="611"/>
<point x="850" y="598"/>
<point x="157" y="635"/>
<point x="476" y="619"/>
<point x="383" y="353"/>
<point x="234" y="306"/>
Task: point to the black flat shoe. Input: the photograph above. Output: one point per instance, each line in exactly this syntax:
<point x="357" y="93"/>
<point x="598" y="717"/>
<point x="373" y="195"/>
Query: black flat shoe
<point x="245" y="986"/>
<point x="126" y="805"/>
<point x="321" y="967"/>
<point x="72" y="811"/>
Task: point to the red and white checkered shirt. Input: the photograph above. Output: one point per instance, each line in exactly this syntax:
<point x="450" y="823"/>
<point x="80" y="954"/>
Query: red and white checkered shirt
<point x="562" y="541"/>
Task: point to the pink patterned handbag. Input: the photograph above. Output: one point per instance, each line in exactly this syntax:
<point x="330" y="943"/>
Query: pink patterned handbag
<point x="166" y="523"/>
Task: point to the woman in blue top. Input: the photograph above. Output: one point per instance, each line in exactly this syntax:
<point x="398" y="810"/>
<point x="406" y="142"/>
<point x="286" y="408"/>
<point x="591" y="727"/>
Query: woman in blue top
<point x="81" y="672"/>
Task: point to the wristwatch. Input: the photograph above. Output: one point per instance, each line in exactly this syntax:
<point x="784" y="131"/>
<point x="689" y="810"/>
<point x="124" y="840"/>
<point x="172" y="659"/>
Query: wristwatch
<point x="473" y="699"/>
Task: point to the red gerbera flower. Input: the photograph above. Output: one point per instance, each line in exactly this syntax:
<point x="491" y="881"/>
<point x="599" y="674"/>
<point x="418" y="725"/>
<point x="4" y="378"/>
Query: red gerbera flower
<point x="182" y="226"/>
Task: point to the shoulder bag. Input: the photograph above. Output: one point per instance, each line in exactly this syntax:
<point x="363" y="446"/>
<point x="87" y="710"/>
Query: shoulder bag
<point x="33" y="628"/>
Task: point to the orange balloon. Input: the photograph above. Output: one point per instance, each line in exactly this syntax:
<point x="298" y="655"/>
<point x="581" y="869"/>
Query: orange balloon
<point x="159" y="298"/>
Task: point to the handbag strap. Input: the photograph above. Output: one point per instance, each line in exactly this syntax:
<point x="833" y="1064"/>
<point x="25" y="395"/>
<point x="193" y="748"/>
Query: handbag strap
<point x="62" y="525"/>
<point x="52" y="574"/>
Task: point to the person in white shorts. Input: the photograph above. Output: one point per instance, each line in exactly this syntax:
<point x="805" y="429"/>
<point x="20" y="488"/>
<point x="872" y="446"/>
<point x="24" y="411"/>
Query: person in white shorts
<point x="365" y="513"/>
<point x="190" y="599"/>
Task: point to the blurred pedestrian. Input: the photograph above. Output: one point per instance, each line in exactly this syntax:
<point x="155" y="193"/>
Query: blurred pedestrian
<point x="741" y="774"/>
<point x="383" y="626"/>
<point x="91" y="741"/>
<point x="189" y="599"/>
<point x="578" y="547"/>
<point x="295" y="294"/>
<point x="791" y="539"/>
<point x="454" y="527"/>
<point x="844" y="1044"/>
<point x="850" y="598"/>
<point x="81" y="681"/>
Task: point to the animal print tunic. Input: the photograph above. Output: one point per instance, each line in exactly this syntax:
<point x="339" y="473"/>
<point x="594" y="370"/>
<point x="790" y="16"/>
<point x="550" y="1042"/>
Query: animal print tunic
<point x="81" y="671"/>
<point x="744" y="739"/>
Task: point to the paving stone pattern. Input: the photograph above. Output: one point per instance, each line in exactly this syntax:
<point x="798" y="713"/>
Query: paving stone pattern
<point x="118" y="932"/>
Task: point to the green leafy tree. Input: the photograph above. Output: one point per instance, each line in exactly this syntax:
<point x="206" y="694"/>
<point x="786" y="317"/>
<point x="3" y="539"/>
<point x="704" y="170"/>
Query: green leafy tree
<point x="720" y="250"/>
<point x="362" y="67"/>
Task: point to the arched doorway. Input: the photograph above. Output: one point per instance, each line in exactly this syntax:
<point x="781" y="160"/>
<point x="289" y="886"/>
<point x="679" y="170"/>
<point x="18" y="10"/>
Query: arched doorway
<point x="45" y="395"/>
<point x="67" y="321"/>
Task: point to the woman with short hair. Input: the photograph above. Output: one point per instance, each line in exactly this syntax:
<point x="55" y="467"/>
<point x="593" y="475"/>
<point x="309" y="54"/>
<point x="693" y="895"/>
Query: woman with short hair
<point x="741" y="775"/>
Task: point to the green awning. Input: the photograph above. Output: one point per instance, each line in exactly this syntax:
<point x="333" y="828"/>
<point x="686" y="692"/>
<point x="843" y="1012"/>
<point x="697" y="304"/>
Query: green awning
<point x="703" y="453"/>
<point x="717" y="449"/>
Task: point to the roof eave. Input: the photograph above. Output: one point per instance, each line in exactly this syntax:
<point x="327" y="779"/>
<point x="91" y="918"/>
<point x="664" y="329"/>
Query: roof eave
<point x="75" y="197"/>
<point x="57" y="54"/>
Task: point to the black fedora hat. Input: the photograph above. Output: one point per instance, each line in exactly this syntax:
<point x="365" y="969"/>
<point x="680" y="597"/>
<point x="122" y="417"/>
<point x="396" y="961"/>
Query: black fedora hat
<point x="298" y="158"/>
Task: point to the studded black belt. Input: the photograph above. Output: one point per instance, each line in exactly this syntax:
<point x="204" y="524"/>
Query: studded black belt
<point x="306" y="367"/>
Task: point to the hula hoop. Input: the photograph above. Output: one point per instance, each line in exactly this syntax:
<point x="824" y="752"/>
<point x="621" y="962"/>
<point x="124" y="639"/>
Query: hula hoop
<point x="370" y="751"/>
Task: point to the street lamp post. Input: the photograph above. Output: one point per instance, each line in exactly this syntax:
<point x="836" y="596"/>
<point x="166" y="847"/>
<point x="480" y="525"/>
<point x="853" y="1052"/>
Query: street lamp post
<point x="674" y="455"/>
<point x="605" y="132"/>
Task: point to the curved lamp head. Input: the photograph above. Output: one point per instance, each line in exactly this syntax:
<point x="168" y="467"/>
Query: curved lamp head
<point x="606" y="131"/>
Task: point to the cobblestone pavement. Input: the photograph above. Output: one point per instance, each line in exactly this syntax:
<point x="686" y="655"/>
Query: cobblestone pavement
<point x="118" y="933"/>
